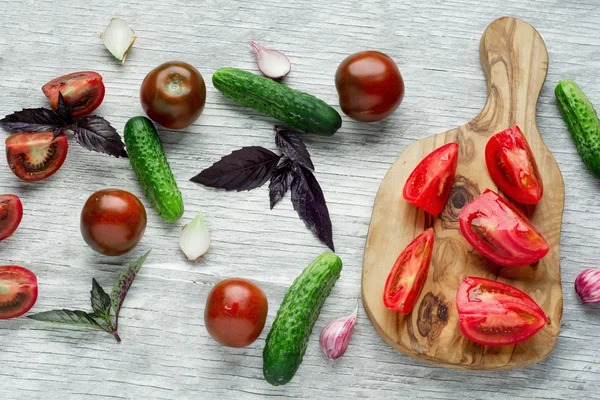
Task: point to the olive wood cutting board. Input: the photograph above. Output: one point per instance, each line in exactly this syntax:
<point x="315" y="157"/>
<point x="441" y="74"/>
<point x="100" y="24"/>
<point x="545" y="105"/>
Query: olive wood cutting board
<point x="515" y="62"/>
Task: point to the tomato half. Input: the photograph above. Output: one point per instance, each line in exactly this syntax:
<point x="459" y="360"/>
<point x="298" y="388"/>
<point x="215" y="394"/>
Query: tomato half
<point x="11" y="213"/>
<point x="83" y="91"/>
<point x="512" y="166"/>
<point x="500" y="232"/>
<point x="18" y="291"/>
<point x="36" y="156"/>
<point x="496" y="314"/>
<point x="429" y="185"/>
<point x="173" y="94"/>
<point x="409" y="273"/>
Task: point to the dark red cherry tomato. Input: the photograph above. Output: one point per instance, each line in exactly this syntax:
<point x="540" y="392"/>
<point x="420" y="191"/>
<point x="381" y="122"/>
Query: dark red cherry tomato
<point x="369" y="86"/>
<point x="35" y="156"/>
<point x="18" y="291"/>
<point x="83" y="91"/>
<point x="429" y="185"/>
<point x="11" y="213"/>
<point x="492" y="313"/>
<point x="173" y="94"/>
<point x="500" y="232"/>
<point x="235" y="313"/>
<point x="409" y="273"/>
<point x="113" y="221"/>
<point x="512" y="166"/>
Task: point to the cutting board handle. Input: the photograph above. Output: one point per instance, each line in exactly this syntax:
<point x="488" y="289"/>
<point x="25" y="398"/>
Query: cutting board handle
<point x="515" y="62"/>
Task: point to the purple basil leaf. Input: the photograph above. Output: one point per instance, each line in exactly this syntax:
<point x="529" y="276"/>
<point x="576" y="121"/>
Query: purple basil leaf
<point x="243" y="169"/>
<point x="309" y="203"/>
<point x="64" y="111"/>
<point x="100" y="300"/>
<point x="119" y="291"/>
<point x="32" y="120"/>
<point x="292" y="146"/>
<point x="96" y="134"/>
<point x="280" y="182"/>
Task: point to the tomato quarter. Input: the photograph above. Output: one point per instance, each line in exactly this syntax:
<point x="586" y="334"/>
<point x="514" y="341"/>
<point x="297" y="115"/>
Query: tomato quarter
<point x="36" y="156"/>
<point x="11" y="213"/>
<point x="83" y="91"/>
<point x="18" y="291"/>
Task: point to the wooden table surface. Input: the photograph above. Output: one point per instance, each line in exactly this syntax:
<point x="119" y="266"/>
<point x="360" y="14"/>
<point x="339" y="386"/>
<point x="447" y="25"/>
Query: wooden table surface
<point x="166" y="352"/>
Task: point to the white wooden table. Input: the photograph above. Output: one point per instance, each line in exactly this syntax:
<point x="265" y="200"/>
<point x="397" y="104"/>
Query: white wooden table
<point x="166" y="352"/>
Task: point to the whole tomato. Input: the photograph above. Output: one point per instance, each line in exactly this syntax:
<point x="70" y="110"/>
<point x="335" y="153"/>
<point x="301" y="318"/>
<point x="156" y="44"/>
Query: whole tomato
<point x="235" y="313"/>
<point x="173" y="94"/>
<point x="113" y="221"/>
<point x="369" y="86"/>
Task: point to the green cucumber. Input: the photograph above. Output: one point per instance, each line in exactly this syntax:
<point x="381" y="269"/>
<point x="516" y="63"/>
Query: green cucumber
<point x="299" y="310"/>
<point x="582" y="120"/>
<point x="293" y="107"/>
<point x="151" y="167"/>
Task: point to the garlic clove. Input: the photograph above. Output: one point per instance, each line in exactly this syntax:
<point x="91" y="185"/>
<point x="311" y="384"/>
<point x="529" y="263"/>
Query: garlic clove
<point x="587" y="286"/>
<point x="271" y="63"/>
<point x="335" y="337"/>
<point x="118" y="38"/>
<point x="195" y="239"/>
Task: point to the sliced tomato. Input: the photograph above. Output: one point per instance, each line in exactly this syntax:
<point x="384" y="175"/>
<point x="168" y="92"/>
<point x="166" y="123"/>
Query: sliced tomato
<point x="36" y="156"/>
<point x="512" y="166"/>
<point x="428" y="186"/>
<point x="11" y="213"/>
<point x="496" y="314"/>
<point x="18" y="291"/>
<point x="405" y="282"/>
<point x="500" y="232"/>
<point x="83" y="91"/>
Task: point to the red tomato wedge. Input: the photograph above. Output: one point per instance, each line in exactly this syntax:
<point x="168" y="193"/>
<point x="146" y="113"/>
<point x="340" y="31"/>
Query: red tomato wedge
<point x="496" y="314"/>
<point x="83" y="91"/>
<point x="428" y="186"/>
<point x="11" y="213"/>
<point x="512" y="166"/>
<point x="500" y="232"/>
<point x="405" y="282"/>
<point x="18" y="291"/>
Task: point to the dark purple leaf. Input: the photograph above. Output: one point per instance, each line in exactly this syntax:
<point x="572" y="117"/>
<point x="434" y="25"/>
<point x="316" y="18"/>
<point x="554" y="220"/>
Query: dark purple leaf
<point x="280" y="182"/>
<point x="96" y="134"/>
<point x="64" y="111"/>
<point x="243" y="169"/>
<point x="309" y="203"/>
<point x="292" y="146"/>
<point x="32" y="120"/>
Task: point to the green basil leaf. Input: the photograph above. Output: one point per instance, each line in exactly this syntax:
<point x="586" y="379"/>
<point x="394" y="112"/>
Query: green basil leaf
<point x="120" y="289"/>
<point x="69" y="317"/>
<point x="100" y="301"/>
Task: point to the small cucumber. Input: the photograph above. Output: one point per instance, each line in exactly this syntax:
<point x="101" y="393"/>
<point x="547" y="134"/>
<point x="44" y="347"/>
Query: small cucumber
<point x="582" y="120"/>
<point x="151" y="167"/>
<point x="299" y="310"/>
<point x="293" y="107"/>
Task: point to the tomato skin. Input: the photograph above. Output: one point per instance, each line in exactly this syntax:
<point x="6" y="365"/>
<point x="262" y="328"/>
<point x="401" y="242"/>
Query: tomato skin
<point x="500" y="232"/>
<point x="18" y="291"/>
<point x="493" y="313"/>
<point x="235" y="313"/>
<point x="512" y="167"/>
<point x="429" y="184"/>
<point x="369" y="86"/>
<point x="83" y="91"/>
<point x="409" y="273"/>
<point x="33" y="157"/>
<point x="113" y="221"/>
<point x="173" y="94"/>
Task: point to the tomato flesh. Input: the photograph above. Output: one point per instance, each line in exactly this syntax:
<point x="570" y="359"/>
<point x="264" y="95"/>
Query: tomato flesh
<point x="11" y="213"/>
<point x="429" y="184"/>
<point x="500" y="232"/>
<point x="409" y="273"/>
<point x="83" y="91"/>
<point x="18" y="291"/>
<point x="36" y="156"/>
<point x="235" y="313"/>
<point x="492" y="313"/>
<point x="512" y="167"/>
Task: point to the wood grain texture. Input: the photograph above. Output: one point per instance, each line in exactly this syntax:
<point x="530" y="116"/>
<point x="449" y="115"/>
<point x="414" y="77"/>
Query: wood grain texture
<point x="515" y="62"/>
<point x="166" y="352"/>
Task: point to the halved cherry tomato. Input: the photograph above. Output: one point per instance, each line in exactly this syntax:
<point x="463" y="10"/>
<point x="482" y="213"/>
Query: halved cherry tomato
<point x="405" y="282"/>
<point x="11" y="212"/>
<point x="36" y="156"/>
<point x="500" y="232"/>
<point x="496" y="314"/>
<point x="83" y="91"/>
<point x="18" y="291"/>
<point x="512" y="166"/>
<point x="428" y="186"/>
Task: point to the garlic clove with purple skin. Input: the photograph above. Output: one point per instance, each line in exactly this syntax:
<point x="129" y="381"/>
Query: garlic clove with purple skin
<point x="271" y="63"/>
<point x="335" y="337"/>
<point x="587" y="286"/>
